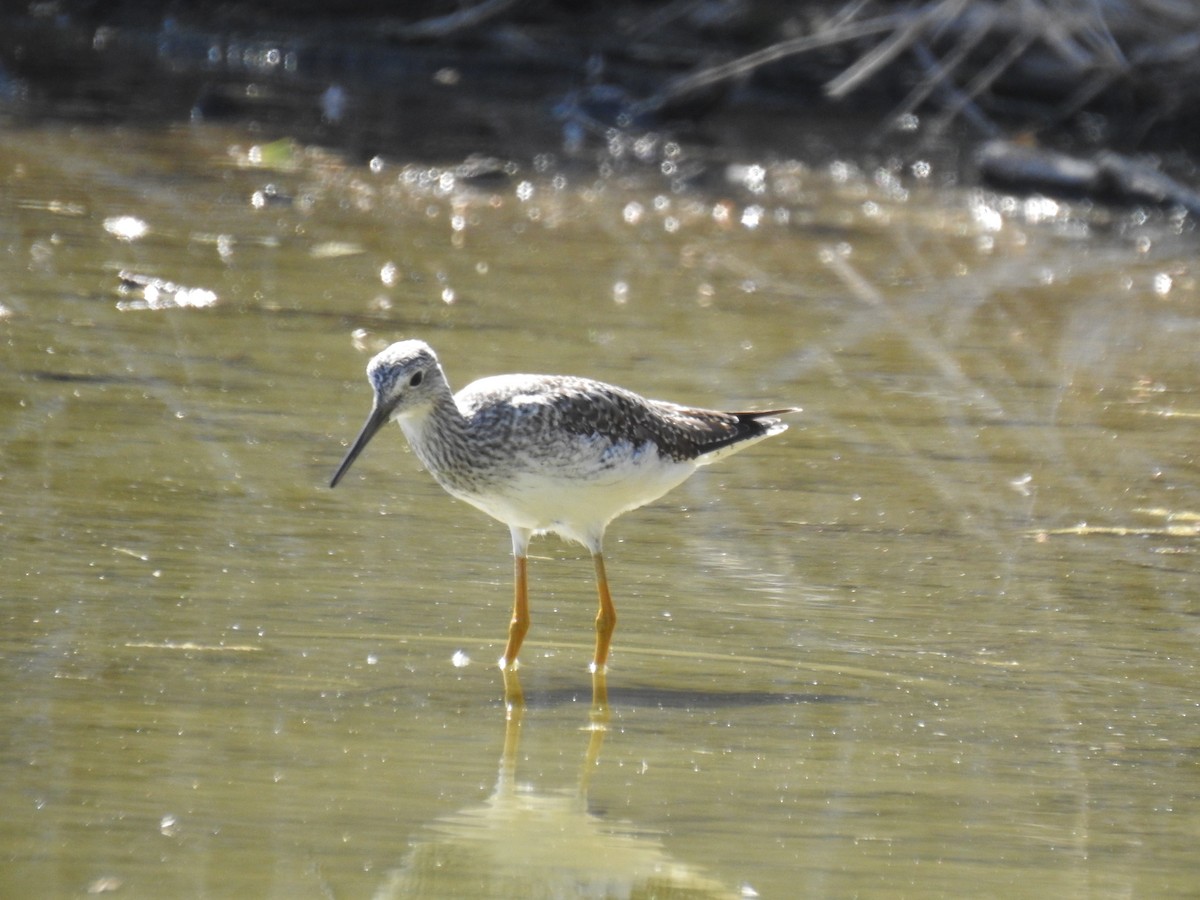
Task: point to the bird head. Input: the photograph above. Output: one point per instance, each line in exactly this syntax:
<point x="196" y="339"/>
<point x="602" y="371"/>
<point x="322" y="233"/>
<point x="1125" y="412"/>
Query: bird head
<point x="406" y="377"/>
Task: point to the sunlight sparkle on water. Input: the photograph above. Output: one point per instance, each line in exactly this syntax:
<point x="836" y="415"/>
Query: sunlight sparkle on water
<point x="127" y="228"/>
<point x="1039" y="209"/>
<point x="986" y="216"/>
<point x="752" y="177"/>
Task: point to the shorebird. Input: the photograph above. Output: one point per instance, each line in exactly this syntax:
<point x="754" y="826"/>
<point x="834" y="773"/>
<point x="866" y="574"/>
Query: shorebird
<point x="548" y="453"/>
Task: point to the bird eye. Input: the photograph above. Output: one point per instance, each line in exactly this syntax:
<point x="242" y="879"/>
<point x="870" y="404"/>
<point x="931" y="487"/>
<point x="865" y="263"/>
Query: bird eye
<point x="416" y="379"/>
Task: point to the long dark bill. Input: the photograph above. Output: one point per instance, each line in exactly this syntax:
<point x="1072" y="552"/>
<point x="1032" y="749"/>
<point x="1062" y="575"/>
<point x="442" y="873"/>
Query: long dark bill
<point x="375" y="421"/>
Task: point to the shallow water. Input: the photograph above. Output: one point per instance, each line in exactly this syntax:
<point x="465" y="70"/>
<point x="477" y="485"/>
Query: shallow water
<point x="939" y="638"/>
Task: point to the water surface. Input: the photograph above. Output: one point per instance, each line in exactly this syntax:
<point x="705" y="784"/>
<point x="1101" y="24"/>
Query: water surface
<point x="937" y="639"/>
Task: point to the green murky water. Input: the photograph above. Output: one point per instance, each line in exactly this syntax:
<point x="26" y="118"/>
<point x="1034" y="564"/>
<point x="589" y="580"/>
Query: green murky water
<point x="938" y="639"/>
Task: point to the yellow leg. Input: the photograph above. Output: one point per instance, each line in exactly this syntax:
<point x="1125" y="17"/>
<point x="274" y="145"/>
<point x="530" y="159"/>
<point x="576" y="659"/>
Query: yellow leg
<point x="520" y="617"/>
<point x="514" y="697"/>
<point x="600" y="713"/>
<point x="606" y="618"/>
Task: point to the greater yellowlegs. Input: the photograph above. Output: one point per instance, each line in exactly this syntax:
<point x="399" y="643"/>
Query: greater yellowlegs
<point x="548" y="453"/>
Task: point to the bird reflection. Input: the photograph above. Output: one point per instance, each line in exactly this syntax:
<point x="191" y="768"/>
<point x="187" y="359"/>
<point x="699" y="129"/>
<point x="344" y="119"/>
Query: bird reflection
<point x="522" y="842"/>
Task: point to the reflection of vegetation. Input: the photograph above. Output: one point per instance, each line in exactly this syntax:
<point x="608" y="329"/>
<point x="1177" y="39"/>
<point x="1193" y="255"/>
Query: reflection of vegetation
<point x="1038" y="62"/>
<point x="993" y="64"/>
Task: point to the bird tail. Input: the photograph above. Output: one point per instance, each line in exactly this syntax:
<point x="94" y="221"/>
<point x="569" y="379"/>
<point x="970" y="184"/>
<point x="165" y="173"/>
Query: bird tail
<point x="752" y="427"/>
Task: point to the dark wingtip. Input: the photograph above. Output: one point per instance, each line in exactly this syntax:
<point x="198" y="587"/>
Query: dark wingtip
<point x="764" y="421"/>
<point x="768" y="413"/>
